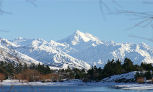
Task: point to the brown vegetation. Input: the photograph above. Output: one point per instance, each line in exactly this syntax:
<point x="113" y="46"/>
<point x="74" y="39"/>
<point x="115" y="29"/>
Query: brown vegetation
<point x="28" y="75"/>
<point x="49" y="77"/>
<point x="33" y="75"/>
<point x="2" y="77"/>
<point x="140" y="80"/>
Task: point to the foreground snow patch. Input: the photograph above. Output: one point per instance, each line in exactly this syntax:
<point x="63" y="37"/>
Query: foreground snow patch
<point x="75" y="82"/>
<point x="65" y="83"/>
<point x="135" y="86"/>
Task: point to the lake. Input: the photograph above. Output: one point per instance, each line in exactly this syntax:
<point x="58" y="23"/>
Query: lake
<point x="65" y="89"/>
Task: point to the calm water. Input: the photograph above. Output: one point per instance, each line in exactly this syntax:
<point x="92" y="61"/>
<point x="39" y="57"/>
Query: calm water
<point x="64" y="89"/>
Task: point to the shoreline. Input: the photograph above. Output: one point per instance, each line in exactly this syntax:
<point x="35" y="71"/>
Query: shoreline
<point x="124" y="86"/>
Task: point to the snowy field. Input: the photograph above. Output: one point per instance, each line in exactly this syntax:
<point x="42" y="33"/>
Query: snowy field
<point x="129" y="86"/>
<point x="16" y="82"/>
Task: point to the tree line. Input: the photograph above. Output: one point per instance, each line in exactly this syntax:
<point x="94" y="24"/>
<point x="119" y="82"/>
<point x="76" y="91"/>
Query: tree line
<point x="116" y="67"/>
<point x="37" y="72"/>
<point x="41" y="72"/>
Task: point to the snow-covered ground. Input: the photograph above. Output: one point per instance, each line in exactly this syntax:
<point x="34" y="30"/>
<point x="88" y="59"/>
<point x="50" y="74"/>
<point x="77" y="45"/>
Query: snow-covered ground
<point x="131" y="86"/>
<point x="135" y="86"/>
<point x="126" y="76"/>
<point x="65" y="83"/>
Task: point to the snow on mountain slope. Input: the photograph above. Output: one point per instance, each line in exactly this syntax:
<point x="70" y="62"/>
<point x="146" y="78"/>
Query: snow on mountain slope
<point x="9" y="54"/>
<point x="49" y="53"/>
<point x="75" y="51"/>
<point x="79" y="40"/>
<point x="125" y="76"/>
<point x="103" y="52"/>
<point x="99" y="53"/>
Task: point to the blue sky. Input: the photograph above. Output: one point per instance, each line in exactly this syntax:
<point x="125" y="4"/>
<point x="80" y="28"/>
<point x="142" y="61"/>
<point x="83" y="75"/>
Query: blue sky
<point x="56" y="19"/>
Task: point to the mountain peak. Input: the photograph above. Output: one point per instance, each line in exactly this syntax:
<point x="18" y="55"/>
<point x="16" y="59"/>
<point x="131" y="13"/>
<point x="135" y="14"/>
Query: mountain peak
<point x="77" y="32"/>
<point x="80" y="37"/>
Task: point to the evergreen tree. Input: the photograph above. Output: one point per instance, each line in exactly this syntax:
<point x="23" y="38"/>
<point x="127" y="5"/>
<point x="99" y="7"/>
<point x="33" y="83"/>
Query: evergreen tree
<point x="147" y="67"/>
<point x="128" y="65"/>
<point x="148" y="75"/>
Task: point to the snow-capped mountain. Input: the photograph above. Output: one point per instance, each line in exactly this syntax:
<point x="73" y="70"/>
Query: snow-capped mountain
<point x="9" y="54"/>
<point x="48" y="53"/>
<point x="79" y="38"/>
<point x="79" y="50"/>
<point x="96" y="52"/>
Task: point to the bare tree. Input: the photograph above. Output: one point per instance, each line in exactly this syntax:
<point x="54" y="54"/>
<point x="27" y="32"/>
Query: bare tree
<point x="33" y="2"/>
<point x="142" y="19"/>
<point x="2" y="11"/>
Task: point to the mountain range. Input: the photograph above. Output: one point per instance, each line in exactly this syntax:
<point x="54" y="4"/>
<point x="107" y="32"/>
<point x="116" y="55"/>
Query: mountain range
<point x="79" y="50"/>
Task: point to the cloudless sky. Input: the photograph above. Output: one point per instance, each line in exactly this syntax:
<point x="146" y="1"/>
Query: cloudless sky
<point x="56" y="19"/>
